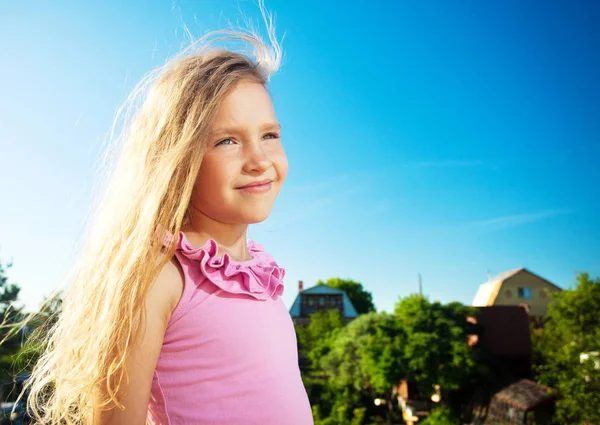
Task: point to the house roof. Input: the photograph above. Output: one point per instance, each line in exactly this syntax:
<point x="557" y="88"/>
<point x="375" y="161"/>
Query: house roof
<point x="525" y="394"/>
<point x="349" y="310"/>
<point x="323" y="289"/>
<point x="488" y="291"/>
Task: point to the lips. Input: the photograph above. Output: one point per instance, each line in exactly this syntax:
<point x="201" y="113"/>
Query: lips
<point x="255" y="184"/>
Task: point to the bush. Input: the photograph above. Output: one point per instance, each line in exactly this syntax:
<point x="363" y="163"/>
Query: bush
<point x="441" y="416"/>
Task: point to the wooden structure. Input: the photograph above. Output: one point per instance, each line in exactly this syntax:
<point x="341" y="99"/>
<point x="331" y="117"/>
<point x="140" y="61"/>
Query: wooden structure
<point x="524" y="402"/>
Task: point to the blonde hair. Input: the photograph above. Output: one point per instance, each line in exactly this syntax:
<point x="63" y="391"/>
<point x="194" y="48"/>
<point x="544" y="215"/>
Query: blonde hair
<point x="160" y="152"/>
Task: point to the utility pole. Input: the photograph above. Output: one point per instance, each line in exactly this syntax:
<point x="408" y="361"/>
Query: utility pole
<point x="420" y="287"/>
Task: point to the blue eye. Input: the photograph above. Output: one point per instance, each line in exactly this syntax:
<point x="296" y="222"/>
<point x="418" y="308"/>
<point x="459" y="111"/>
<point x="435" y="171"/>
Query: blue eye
<point x="223" y="142"/>
<point x="271" y="136"/>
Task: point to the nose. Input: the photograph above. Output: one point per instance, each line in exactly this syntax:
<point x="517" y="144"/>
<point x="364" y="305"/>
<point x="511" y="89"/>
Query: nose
<point x="257" y="160"/>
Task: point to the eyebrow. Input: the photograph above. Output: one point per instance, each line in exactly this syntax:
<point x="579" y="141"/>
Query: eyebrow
<point x="231" y="130"/>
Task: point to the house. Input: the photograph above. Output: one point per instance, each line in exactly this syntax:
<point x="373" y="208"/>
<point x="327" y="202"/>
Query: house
<point x="523" y="402"/>
<point x="318" y="298"/>
<point x="518" y="287"/>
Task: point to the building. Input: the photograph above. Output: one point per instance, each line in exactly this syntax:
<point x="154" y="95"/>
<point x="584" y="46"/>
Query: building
<point x="517" y="287"/>
<point x="523" y="402"/>
<point x="321" y="297"/>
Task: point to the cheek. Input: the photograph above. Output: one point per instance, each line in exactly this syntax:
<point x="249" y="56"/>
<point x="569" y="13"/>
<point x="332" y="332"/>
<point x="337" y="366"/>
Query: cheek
<point x="212" y="177"/>
<point x="280" y="162"/>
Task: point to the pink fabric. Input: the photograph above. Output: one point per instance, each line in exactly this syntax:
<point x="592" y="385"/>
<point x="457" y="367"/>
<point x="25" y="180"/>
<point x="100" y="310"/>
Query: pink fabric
<point x="229" y="354"/>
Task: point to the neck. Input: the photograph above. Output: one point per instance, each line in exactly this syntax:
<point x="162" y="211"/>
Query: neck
<point x="231" y="238"/>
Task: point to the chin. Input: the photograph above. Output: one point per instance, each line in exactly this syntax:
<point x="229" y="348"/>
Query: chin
<point x="253" y="213"/>
<point x="254" y="217"/>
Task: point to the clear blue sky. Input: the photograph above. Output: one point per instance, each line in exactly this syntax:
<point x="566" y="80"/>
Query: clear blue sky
<point x="446" y="138"/>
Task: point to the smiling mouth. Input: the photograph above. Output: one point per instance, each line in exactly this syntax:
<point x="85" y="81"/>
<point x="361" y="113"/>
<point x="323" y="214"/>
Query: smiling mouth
<point x="256" y="187"/>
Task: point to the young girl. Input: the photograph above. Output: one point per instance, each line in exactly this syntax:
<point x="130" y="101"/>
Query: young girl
<point x="174" y="317"/>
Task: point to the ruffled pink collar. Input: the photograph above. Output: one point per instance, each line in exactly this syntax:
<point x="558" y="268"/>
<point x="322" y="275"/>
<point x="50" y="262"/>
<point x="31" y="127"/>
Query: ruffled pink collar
<point x="260" y="277"/>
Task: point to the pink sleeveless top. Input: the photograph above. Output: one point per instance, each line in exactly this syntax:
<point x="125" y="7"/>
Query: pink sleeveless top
<point x="229" y="355"/>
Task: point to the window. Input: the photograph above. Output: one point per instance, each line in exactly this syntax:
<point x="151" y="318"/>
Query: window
<point x="332" y="301"/>
<point x="525" y="293"/>
<point x="311" y="301"/>
<point x="321" y="300"/>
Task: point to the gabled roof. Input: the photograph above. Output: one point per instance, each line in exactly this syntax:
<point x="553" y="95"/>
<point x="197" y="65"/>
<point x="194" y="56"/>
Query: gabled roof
<point x="525" y="394"/>
<point x="486" y="294"/>
<point x="488" y="291"/>
<point x="322" y="289"/>
<point x="349" y="310"/>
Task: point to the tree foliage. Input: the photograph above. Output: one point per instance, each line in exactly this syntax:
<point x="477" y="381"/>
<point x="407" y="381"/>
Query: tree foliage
<point x="572" y="328"/>
<point x="23" y="336"/>
<point x="38" y="326"/>
<point x="366" y="354"/>
<point x="9" y="293"/>
<point x="332" y="405"/>
<point x="436" y="350"/>
<point x="11" y="336"/>
<point x="441" y="416"/>
<point x="361" y="298"/>
<point x="316" y="338"/>
<point x="422" y="342"/>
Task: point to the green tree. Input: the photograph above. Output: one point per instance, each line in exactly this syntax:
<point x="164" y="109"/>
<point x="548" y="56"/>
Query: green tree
<point x="441" y="416"/>
<point x="423" y="342"/>
<point x="436" y="351"/>
<point x="572" y="328"/>
<point x="9" y="293"/>
<point x="361" y="298"/>
<point x="38" y="326"/>
<point x="11" y="336"/>
<point x="367" y="354"/>
<point x="315" y="339"/>
<point x="365" y="362"/>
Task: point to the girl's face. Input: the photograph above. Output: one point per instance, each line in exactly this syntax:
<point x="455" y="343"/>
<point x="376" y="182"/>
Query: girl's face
<point x="245" y="164"/>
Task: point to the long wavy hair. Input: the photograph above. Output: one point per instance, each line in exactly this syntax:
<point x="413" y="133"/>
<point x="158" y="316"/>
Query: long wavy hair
<point x="156" y="158"/>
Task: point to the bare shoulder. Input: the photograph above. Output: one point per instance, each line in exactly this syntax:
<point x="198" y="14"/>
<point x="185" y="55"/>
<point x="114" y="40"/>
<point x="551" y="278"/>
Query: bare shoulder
<point x="162" y="296"/>
<point x="167" y="288"/>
